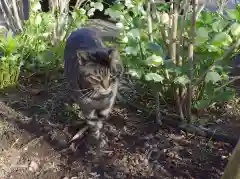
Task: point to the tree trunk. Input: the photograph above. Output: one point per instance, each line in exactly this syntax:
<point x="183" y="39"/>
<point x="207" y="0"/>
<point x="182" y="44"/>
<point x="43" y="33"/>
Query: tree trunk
<point x="232" y="170"/>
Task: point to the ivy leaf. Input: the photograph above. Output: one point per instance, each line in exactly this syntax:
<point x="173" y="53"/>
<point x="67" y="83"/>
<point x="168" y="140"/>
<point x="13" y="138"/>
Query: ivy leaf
<point x="154" y="60"/>
<point x="222" y="39"/>
<point x="235" y="29"/>
<point x="212" y="77"/>
<point x="183" y="80"/>
<point x="154" y="77"/>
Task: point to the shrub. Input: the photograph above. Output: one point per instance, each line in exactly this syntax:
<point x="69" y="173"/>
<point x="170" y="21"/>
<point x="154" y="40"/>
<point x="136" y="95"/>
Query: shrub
<point x="39" y="46"/>
<point x="186" y="58"/>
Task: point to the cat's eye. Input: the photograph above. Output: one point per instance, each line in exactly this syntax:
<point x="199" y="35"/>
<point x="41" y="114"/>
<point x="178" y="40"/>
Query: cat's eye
<point x="94" y="79"/>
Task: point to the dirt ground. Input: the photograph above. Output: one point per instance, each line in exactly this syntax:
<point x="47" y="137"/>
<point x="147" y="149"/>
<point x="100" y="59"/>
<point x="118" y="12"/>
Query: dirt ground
<point x="37" y="123"/>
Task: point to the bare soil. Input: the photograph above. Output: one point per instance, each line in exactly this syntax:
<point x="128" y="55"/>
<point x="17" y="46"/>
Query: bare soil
<point x="37" y="123"/>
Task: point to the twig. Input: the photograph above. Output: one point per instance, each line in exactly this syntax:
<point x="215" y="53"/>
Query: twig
<point x="80" y="133"/>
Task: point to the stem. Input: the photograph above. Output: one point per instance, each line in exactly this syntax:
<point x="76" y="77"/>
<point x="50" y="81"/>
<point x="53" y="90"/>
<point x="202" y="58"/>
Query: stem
<point x="158" y="115"/>
<point x="190" y="63"/>
<point x="225" y="55"/>
<point x="227" y="83"/>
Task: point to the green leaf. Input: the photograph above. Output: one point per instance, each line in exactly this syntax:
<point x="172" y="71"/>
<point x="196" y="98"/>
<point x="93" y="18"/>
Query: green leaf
<point x="154" y="77"/>
<point x="183" y="80"/>
<point x="218" y="25"/>
<point x="202" y="103"/>
<point x="135" y="73"/>
<point x="222" y="39"/>
<point x="134" y="33"/>
<point x="91" y="12"/>
<point x="212" y="77"/>
<point x="154" y="60"/>
<point x="235" y="29"/>
<point x="206" y="17"/>
<point x="224" y="96"/>
<point x="38" y="19"/>
<point x="128" y="4"/>
<point x="233" y="14"/>
<point x="131" y="51"/>
<point x="98" y="5"/>
<point x="201" y="35"/>
<point x="156" y="48"/>
<point x="36" y="6"/>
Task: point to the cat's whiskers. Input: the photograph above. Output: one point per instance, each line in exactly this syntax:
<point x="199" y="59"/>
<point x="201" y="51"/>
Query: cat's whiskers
<point x="84" y="96"/>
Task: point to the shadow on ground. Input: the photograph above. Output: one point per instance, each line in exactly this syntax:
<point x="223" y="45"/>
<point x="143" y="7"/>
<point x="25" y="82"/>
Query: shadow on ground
<point x="37" y="124"/>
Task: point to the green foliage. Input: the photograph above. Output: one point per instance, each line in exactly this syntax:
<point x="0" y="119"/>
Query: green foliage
<point x="33" y="49"/>
<point x="148" y="61"/>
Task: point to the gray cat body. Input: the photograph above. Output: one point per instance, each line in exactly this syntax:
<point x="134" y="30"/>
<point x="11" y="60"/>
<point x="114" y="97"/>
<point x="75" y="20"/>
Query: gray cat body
<point x="93" y="72"/>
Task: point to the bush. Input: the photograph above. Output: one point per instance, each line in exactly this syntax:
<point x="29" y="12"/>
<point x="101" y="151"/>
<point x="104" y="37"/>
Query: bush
<point x="40" y="46"/>
<point x="158" y="48"/>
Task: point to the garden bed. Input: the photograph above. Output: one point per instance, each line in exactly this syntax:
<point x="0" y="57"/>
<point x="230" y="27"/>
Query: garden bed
<point x="36" y="126"/>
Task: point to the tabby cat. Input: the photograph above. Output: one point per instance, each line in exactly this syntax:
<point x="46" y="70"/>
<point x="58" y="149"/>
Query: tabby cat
<point x="93" y="72"/>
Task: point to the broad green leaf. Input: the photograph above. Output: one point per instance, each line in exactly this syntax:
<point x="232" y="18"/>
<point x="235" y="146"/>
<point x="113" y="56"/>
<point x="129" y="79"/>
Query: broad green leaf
<point x="156" y="48"/>
<point x="38" y="19"/>
<point x="218" y="25"/>
<point x="125" y="39"/>
<point x="131" y="51"/>
<point x="119" y="25"/>
<point x="213" y="48"/>
<point x="206" y="17"/>
<point x="233" y="14"/>
<point x="183" y="80"/>
<point x="201" y="35"/>
<point x="36" y="6"/>
<point x="154" y="77"/>
<point x="114" y="14"/>
<point x="212" y="77"/>
<point x="134" y="33"/>
<point x="154" y="60"/>
<point x="91" y="12"/>
<point x="135" y="73"/>
<point x="235" y="29"/>
<point x="202" y="103"/>
<point x="98" y="5"/>
<point x="128" y="4"/>
<point x="222" y="39"/>
<point x="224" y="96"/>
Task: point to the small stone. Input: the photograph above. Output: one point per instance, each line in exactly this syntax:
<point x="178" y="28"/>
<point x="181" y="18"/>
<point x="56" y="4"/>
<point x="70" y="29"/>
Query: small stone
<point x="33" y="166"/>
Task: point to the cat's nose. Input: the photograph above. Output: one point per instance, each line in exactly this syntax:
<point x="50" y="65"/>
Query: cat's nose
<point x="105" y="84"/>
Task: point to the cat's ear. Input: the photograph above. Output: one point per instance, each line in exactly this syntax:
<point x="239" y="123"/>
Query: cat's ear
<point x="115" y="61"/>
<point x="83" y="56"/>
<point x="114" y="55"/>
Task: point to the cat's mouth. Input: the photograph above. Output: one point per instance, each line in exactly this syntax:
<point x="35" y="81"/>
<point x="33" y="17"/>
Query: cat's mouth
<point x="103" y="95"/>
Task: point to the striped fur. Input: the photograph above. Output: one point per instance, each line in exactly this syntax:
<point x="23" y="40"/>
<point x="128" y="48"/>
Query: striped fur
<point x="93" y="72"/>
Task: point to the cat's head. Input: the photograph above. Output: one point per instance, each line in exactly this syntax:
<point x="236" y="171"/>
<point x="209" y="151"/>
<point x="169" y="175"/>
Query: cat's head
<point x="100" y="69"/>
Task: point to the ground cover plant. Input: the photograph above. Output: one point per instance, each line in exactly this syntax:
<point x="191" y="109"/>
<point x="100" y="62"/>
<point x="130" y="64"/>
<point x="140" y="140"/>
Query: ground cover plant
<point x="178" y="58"/>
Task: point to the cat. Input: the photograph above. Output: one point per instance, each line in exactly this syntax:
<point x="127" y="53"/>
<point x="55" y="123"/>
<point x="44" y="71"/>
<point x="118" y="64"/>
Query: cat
<point x="93" y="72"/>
